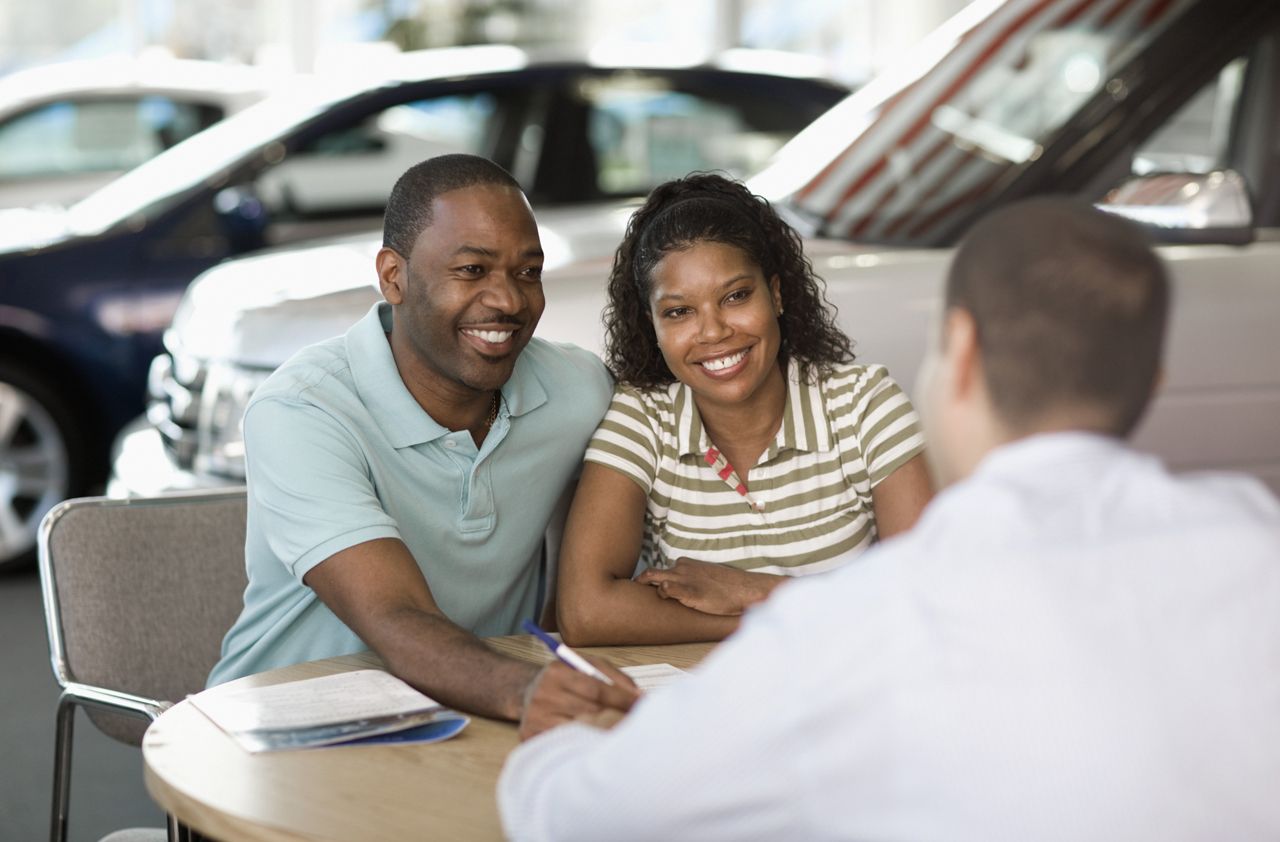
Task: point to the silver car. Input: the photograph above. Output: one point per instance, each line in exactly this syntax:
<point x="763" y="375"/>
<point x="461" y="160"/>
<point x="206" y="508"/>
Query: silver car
<point x="67" y="129"/>
<point x="1167" y="112"/>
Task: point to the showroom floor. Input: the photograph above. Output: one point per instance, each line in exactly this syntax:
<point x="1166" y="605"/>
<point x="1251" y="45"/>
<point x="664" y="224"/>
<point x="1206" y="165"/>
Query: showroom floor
<point x="106" y="783"/>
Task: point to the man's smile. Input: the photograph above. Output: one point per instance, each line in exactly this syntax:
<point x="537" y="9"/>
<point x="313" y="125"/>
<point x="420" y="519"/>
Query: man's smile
<point x="493" y="337"/>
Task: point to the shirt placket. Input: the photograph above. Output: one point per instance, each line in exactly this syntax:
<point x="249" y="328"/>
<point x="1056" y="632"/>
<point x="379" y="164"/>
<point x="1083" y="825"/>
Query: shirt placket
<point x="729" y="475"/>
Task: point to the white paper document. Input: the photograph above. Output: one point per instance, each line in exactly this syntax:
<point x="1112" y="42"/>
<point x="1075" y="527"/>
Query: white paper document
<point x="320" y="711"/>
<point x="652" y="676"/>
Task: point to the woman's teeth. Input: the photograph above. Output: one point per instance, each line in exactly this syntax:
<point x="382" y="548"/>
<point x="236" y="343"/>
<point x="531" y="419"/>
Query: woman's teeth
<point x="721" y="363"/>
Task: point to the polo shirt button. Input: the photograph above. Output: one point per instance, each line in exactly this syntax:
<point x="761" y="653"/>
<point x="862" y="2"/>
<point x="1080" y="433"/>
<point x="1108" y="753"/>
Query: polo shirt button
<point x="450" y="443"/>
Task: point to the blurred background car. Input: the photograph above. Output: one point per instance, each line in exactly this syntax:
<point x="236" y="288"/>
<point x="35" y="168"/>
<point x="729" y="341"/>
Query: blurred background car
<point x="1006" y="100"/>
<point x="85" y="292"/>
<point x="67" y="129"/>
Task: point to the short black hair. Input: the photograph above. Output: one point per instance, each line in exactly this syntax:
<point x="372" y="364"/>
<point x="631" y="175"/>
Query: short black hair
<point x="1070" y="306"/>
<point x="409" y="205"/>
<point x="708" y="207"/>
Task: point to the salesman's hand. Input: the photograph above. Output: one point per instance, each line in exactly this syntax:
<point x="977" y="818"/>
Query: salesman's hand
<point x="710" y="588"/>
<point x="559" y="693"/>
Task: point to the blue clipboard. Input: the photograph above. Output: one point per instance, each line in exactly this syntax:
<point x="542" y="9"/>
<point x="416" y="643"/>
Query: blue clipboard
<point x="432" y="732"/>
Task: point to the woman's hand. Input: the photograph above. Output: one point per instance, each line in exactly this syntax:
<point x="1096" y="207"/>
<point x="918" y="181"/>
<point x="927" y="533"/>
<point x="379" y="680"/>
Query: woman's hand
<point x="710" y="588"/>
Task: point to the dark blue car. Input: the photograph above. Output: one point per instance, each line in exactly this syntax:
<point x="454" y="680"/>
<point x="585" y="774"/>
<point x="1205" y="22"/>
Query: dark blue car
<point x="85" y="294"/>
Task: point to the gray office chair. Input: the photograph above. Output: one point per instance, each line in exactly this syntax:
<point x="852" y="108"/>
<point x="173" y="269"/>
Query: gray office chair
<point x="137" y="594"/>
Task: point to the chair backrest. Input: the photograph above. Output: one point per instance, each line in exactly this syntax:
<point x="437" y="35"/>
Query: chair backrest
<point x="139" y="593"/>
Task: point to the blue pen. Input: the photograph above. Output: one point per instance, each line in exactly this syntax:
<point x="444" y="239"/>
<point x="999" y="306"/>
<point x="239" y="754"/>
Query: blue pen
<point x="565" y="654"/>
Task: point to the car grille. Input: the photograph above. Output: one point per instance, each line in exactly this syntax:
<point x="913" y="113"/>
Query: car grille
<point x="173" y="405"/>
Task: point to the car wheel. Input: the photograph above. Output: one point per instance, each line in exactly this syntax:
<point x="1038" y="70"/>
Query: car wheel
<point x="39" y="460"/>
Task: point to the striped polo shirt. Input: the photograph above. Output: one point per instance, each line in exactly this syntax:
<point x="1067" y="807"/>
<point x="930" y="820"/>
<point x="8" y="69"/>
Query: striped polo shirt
<point x="804" y="505"/>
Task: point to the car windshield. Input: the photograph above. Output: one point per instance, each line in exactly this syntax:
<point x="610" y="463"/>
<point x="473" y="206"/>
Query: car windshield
<point x="905" y="158"/>
<point x="202" y="157"/>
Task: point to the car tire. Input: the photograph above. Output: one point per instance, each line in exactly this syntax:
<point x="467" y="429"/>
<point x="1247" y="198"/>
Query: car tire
<point x="41" y="459"/>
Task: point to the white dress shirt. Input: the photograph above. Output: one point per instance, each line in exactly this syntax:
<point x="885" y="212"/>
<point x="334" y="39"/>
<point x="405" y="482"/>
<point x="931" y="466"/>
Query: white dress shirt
<point x="1071" y="644"/>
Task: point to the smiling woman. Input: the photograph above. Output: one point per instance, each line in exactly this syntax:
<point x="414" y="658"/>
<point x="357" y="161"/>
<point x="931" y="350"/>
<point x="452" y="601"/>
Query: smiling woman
<point x="743" y="445"/>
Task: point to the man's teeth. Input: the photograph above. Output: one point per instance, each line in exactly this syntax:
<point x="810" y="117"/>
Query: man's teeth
<point x="721" y="363"/>
<point x="494" y="337"/>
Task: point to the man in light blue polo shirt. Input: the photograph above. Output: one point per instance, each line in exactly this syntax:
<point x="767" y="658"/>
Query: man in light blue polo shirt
<point x="401" y="477"/>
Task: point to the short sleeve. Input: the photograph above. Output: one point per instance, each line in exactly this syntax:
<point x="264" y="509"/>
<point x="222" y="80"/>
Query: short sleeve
<point x="309" y="483"/>
<point x="886" y="425"/>
<point x="628" y="439"/>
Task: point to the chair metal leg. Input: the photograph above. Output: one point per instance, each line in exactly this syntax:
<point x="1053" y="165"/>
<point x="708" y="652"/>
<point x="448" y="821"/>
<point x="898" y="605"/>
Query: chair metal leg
<point x="65" y="730"/>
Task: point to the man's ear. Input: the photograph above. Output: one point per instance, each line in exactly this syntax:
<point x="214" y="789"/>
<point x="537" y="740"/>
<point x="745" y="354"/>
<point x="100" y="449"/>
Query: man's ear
<point x="961" y="355"/>
<point x="392" y="274"/>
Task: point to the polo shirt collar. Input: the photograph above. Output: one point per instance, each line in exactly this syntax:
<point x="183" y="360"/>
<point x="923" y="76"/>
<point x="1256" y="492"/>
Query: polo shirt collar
<point x="805" y="424"/>
<point x="389" y="401"/>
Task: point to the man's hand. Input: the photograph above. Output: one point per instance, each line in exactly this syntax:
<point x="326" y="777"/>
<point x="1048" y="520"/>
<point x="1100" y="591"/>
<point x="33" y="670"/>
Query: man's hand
<point x="559" y="693"/>
<point x="603" y="719"/>
<point x="710" y="588"/>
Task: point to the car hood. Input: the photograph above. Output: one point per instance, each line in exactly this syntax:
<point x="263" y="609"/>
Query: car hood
<point x="258" y="310"/>
<point x="28" y="229"/>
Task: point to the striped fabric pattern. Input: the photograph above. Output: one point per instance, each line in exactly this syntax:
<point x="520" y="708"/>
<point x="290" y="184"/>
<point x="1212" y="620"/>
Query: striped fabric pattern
<point x="840" y="436"/>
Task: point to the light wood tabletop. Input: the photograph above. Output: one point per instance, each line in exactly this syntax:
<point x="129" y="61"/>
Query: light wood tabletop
<point x="395" y="791"/>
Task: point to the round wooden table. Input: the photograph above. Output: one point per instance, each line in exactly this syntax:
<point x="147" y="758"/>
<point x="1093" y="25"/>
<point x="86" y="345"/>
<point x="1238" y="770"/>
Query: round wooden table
<point x="444" y="790"/>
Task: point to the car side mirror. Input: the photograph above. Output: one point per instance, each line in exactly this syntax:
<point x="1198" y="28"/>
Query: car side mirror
<point x="243" y="217"/>
<point x="1186" y="207"/>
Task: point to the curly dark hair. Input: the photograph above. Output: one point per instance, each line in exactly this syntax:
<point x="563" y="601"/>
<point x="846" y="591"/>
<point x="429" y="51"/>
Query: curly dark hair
<point x="707" y="207"/>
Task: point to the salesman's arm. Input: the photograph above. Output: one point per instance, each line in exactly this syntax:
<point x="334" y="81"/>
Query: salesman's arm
<point x="378" y="591"/>
<point x="774" y="721"/>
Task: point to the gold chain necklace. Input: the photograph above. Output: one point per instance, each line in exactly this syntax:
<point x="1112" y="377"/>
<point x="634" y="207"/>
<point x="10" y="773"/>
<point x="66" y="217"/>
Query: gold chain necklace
<point x="493" y="409"/>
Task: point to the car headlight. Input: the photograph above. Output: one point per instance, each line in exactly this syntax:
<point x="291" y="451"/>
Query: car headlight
<point x="226" y="393"/>
<point x="126" y="315"/>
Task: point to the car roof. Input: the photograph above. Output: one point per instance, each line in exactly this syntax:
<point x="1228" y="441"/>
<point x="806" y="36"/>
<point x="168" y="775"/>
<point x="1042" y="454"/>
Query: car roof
<point x="439" y="62"/>
<point x="129" y="75"/>
<point x="311" y="96"/>
<point x="354" y="72"/>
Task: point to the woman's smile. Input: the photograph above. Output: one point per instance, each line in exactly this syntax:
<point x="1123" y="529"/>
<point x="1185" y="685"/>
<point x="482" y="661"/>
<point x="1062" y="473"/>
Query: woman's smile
<point x="716" y="320"/>
<point x="726" y="365"/>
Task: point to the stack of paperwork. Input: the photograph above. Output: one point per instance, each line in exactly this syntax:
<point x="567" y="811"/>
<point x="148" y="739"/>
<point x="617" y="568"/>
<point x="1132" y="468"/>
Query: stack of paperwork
<point x="362" y="706"/>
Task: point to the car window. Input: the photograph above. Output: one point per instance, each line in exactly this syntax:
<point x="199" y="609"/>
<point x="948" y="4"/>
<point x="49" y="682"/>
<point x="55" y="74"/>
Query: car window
<point x="344" y="173"/>
<point x="96" y="135"/>
<point x="1196" y="138"/>
<point x="162" y="181"/>
<point x="643" y="132"/>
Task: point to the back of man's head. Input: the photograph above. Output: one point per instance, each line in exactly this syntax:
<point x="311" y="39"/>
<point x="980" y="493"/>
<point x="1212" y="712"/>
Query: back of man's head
<point x="1069" y="305"/>
<point x="409" y="205"/>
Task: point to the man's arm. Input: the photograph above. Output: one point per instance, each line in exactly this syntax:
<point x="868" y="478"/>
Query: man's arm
<point x="378" y="591"/>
